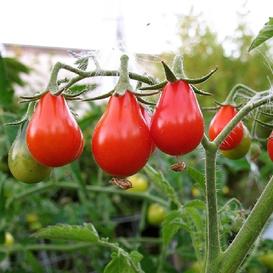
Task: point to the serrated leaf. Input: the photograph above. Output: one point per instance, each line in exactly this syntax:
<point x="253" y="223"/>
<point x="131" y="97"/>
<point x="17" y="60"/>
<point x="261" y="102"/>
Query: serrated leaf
<point x="171" y="225"/>
<point x="265" y="34"/>
<point x="198" y="204"/>
<point x="85" y="233"/>
<point x="118" y="264"/>
<point x="197" y="177"/>
<point x="160" y="181"/>
<point x="136" y="256"/>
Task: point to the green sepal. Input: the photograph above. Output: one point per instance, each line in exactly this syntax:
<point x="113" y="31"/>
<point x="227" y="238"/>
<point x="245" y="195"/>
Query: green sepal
<point x="155" y="86"/>
<point x="200" y="92"/>
<point x="200" y="80"/>
<point x="146" y="94"/>
<point x="104" y="96"/>
<point x="145" y="102"/>
<point x="168" y="72"/>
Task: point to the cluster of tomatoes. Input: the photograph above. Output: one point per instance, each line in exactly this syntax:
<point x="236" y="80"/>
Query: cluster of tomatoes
<point x="125" y="136"/>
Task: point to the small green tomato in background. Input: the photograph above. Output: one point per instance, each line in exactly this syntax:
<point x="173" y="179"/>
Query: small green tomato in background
<point x="156" y="214"/>
<point x="139" y="183"/>
<point x="197" y="267"/>
<point x="240" y="150"/>
<point x="22" y="165"/>
<point x="267" y="260"/>
<point x="9" y="240"/>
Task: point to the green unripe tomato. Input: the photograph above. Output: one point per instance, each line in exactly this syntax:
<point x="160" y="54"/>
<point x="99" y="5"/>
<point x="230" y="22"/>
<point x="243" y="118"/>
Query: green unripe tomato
<point x="9" y="240"/>
<point x="139" y="183"/>
<point x="267" y="260"/>
<point x="197" y="267"/>
<point x="156" y="214"/>
<point x="240" y="150"/>
<point x="22" y="165"/>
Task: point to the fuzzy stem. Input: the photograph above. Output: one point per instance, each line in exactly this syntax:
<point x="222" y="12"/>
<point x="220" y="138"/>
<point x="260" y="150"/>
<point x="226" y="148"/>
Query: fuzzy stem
<point x="53" y="84"/>
<point x="241" y="245"/>
<point x="213" y="241"/>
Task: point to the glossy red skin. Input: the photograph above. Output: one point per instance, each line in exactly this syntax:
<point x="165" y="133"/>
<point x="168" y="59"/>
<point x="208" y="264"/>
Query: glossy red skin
<point x="219" y="122"/>
<point x="148" y="119"/>
<point x="53" y="136"/>
<point x="121" y="141"/>
<point x="270" y="146"/>
<point x="177" y="126"/>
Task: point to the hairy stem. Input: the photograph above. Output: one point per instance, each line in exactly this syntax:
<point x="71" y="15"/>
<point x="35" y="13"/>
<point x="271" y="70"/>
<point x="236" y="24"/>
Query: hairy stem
<point x="213" y="241"/>
<point x="241" y="245"/>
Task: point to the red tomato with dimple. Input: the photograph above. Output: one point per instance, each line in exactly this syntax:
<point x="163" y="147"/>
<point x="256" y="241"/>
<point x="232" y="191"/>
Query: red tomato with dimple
<point x="177" y="126"/>
<point x="270" y="146"/>
<point x="225" y="114"/>
<point x="148" y="119"/>
<point x="121" y="141"/>
<point x="53" y="136"/>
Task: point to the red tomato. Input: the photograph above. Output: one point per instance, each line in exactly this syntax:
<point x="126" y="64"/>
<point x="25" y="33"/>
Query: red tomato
<point x="53" y="136"/>
<point x="147" y="118"/>
<point x="219" y="122"/>
<point x="177" y="125"/>
<point x="121" y="142"/>
<point x="270" y="146"/>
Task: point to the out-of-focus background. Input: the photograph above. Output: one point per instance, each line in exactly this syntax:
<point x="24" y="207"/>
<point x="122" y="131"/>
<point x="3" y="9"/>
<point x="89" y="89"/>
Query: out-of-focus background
<point x="36" y="34"/>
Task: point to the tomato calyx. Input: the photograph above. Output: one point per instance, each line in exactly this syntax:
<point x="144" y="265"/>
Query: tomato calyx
<point x="176" y="74"/>
<point x="122" y="183"/>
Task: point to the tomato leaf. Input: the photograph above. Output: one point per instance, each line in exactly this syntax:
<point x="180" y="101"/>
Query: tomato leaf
<point x="119" y="264"/>
<point x="197" y="177"/>
<point x="85" y="233"/>
<point x="196" y="203"/>
<point x="160" y="181"/>
<point x="265" y="34"/>
<point x="171" y="225"/>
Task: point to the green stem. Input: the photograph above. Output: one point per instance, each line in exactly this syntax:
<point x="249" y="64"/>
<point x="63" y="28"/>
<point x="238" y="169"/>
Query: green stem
<point x="53" y="84"/>
<point x="241" y="245"/>
<point x="236" y="88"/>
<point x="252" y="104"/>
<point x="213" y="240"/>
<point x="53" y="247"/>
<point x="71" y="185"/>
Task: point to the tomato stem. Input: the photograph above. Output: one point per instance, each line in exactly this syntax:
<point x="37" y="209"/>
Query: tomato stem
<point x="53" y="85"/>
<point x="123" y="84"/>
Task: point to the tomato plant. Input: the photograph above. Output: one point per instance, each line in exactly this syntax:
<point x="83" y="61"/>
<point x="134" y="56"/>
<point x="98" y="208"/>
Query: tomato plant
<point x="21" y="163"/>
<point x="156" y="214"/>
<point x="121" y="141"/>
<point x="225" y="114"/>
<point x="270" y="146"/>
<point x="241" y="149"/>
<point x="177" y="125"/>
<point x="53" y="136"/>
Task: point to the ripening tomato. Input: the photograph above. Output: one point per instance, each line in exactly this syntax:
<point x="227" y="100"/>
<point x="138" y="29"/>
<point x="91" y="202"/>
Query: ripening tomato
<point x="53" y="136"/>
<point x="21" y="163"/>
<point x="121" y="141"/>
<point x="139" y="183"/>
<point x="270" y="146"/>
<point x="219" y="122"/>
<point x="177" y="125"/>
<point x="241" y="149"/>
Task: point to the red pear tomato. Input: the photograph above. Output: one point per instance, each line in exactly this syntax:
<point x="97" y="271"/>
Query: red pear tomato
<point x="219" y="122"/>
<point x="53" y="136"/>
<point x="270" y="146"/>
<point x="177" y="125"/>
<point x="121" y="141"/>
